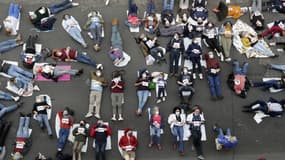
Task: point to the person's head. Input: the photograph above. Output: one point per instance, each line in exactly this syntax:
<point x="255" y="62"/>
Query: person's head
<point x="190" y="27"/>
<point x="39" y="69"/>
<point x="155" y="110"/>
<point x="65" y="113"/>
<point x="196" y="110"/>
<point x="211" y="54"/>
<point x="258" y="23"/>
<point x="177" y="111"/>
<point x="99" y="70"/>
<point x="243" y="34"/>
<point x="82" y="123"/>
<point x="66" y="16"/>
<point x="176" y="35"/>
<point x="8" y="30"/>
<point x="184" y="17"/>
<point x="56" y="53"/>
<point x="228" y="24"/>
<point x="209" y="25"/>
<point x="233" y="139"/>
<point x="32" y="15"/>
<point x="243" y="10"/>
<point x="100" y="122"/>
<point x="195" y="41"/>
<point x="185" y="70"/>
<point x="167" y="23"/>
<point x="143" y="36"/>
<point x="128" y="132"/>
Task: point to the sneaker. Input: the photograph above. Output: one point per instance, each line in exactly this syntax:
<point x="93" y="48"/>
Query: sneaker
<point x="200" y="76"/>
<point x="96" y="47"/>
<point x="36" y="88"/>
<point x="107" y="2"/>
<point x="22" y="114"/>
<point x="90" y="35"/>
<point x="79" y="72"/>
<point x="150" y="145"/>
<point x="158" y="101"/>
<point x="200" y="157"/>
<point x="163" y="99"/>
<point x="222" y="58"/>
<point x="113" y="118"/>
<point x="215" y="126"/>
<point x="228" y="59"/>
<point x="88" y="115"/>
<point x="272" y="44"/>
<point x="220" y="97"/>
<point x="20" y="104"/>
<point x="194" y="75"/>
<point x="29" y="115"/>
<point x="16" y="98"/>
<point x="97" y="116"/>
<point x="19" y="37"/>
<point x="120" y="118"/>
<point x="75" y="4"/>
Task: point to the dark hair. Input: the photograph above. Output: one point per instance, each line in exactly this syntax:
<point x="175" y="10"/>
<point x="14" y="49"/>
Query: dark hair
<point x="176" y="108"/>
<point x="228" y="22"/>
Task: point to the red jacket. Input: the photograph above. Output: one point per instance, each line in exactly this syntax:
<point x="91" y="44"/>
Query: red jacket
<point x="20" y="144"/>
<point x="65" y="122"/>
<point x="239" y="83"/>
<point x="128" y="141"/>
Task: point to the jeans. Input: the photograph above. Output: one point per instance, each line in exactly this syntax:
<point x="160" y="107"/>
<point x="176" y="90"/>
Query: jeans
<point x="96" y="31"/>
<point x="178" y="131"/>
<point x="5" y="127"/>
<point x="196" y="135"/>
<point x="238" y="70"/>
<point x="174" y="58"/>
<point x="116" y="40"/>
<point x="171" y="30"/>
<point x="75" y="33"/>
<point x="8" y="45"/>
<point x="20" y="74"/>
<point x="100" y="151"/>
<point x="23" y="129"/>
<point x="215" y="85"/>
<point x="4" y="110"/>
<point x="58" y="7"/>
<point x="267" y="84"/>
<point x="221" y="133"/>
<point x="43" y="120"/>
<point x="196" y="61"/>
<point x="14" y="10"/>
<point x="150" y="8"/>
<point x="259" y="46"/>
<point x="83" y="58"/>
<point x="157" y="53"/>
<point x="133" y="9"/>
<point x="161" y="92"/>
<point x="256" y="5"/>
<point x="142" y="96"/>
<point x="168" y="6"/>
<point x="57" y="72"/>
<point x="95" y="98"/>
<point x="62" y="138"/>
<point x="278" y="67"/>
<point x="155" y="132"/>
<point x="6" y="96"/>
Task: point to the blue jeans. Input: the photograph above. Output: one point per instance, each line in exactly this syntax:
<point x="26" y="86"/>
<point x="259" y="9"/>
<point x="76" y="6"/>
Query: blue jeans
<point x="133" y="9"/>
<point x="278" y="67"/>
<point x="57" y="72"/>
<point x="75" y="33"/>
<point x="238" y="70"/>
<point x="168" y="6"/>
<point x="82" y="58"/>
<point x="215" y="85"/>
<point x="267" y="84"/>
<point x="14" y="10"/>
<point x="221" y="133"/>
<point x="6" y="96"/>
<point x="262" y="49"/>
<point x="96" y="31"/>
<point x="4" y="110"/>
<point x="20" y="74"/>
<point x="178" y="131"/>
<point x="43" y="120"/>
<point x="8" y="45"/>
<point x="155" y="132"/>
<point x="100" y="151"/>
<point x="150" y="8"/>
<point x="58" y="7"/>
<point x="23" y="129"/>
<point x="62" y="138"/>
<point x="142" y="96"/>
<point x="173" y="58"/>
<point x="116" y="40"/>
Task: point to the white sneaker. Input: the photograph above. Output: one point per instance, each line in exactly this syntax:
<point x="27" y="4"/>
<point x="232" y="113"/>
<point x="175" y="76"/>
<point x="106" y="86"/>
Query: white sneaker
<point x="200" y="157"/>
<point x="36" y="88"/>
<point x="163" y="99"/>
<point x="113" y="118"/>
<point x="16" y="99"/>
<point x="121" y="118"/>
<point x="88" y="115"/>
<point x="222" y="58"/>
<point x="90" y="35"/>
<point x="200" y="76"/>
<point x="75" y="4"/>
<point x="107" y="2"/>
<point x="272" y="44"/>
<point x="97" y="116"/>
<point x="158" y="101"/>
<point x="228" y="59"/>
<point x="194" y="75"/>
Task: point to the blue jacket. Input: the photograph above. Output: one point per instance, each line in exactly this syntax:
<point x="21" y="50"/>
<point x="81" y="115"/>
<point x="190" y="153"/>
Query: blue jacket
<point x="189" y="52"/>
<point x="226" y="143"/>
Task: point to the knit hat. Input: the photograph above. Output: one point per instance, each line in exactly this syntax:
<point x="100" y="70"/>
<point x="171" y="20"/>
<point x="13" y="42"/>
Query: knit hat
<point x="99" y="67"/>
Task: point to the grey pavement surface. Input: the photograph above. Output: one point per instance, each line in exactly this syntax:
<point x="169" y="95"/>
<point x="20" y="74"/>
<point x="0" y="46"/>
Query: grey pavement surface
<point x="265" y="139"/>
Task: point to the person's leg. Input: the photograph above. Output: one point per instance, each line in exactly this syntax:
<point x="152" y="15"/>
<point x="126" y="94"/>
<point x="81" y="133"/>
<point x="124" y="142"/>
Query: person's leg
<point x="228" y="132"/>
<point x="63" y="134"/>
<point x="171" y="61"/>
<point x="27" y="75"/>
<point x="61" y="71"/>
<point x="6" y="96"/>
<point x="259" y="5"/>
<point x="176" y="61"/>
<point x="197" y="142"/>
<point x="98" y="99"/>
<point x="175" y="134"/>
<point x="180" y="135"/>
<point x="4" y="132"/>
<point x="79" y="147"/>
<point x="212" y="85"/>
<point x="26" y="128"/>
<point x="58" y="7"/>
<point x="98" y="37"/>
<point x="114" y="103"/>
<point x="217" y="84"/>
<point x="102" y="150"/>
<point x="120" y="103"/>
<point x="46" y="122"/>
<point x="40" y="120"/>
<point x="85" y="59"/>
<point x="8" y="45"/>
<point x="198" y="61"/>
<point x="165" y="4"/>
<point x="244" y="68"/>
<point x="7" y="109"/>
<point x="144" y="98"/>
<point x="76" y="35"/>
<point x="278" y="67"/>
<point x="91" y="102"/>
<point x="97" y="151"/>
<point x="236" y="68"/>
<point x="74" y="150"/>
<point x="171" y="5"/>
<point x="140" y="99"/>
<point x="193" y="65"/>
<point x="20" y="127"/>
<point x="157" y="134"/>
<point x="266" y="84"/>
<point x="116" y="40"/>
<point x="220" y="132"/>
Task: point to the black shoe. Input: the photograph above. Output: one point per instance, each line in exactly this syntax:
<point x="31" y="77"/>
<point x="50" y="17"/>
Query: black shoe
<point x="215" y="126"/>
<point x="22" y="114"/>
<point x="29" y="115"/>
<point x="55" y="79"/>
<point x="79" y="72"/>
<point x="20" y="104"/>
<point x="213" y="98"/>
<point x="137" y="40"/>
<point x="220" y="97"/>
<point x="275" y="56"/>
<point x="50" y="136"/>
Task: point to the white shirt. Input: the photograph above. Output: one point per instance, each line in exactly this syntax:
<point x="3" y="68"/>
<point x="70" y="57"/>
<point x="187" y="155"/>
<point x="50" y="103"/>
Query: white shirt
<point x="12" y="23"/>
<point x="275" y="107"/>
